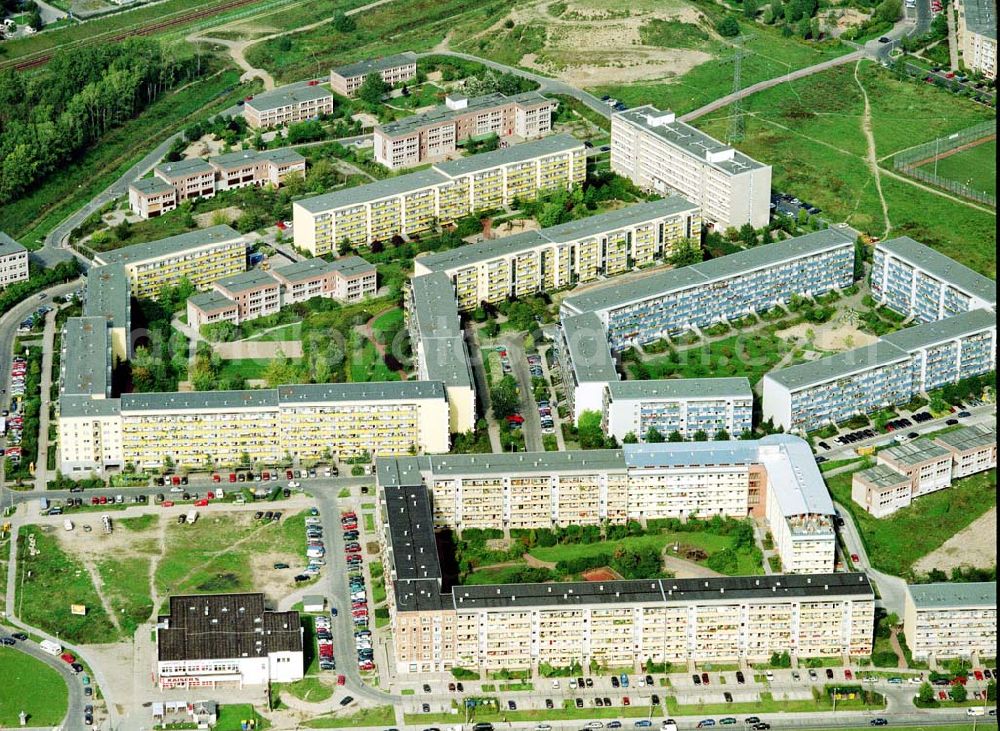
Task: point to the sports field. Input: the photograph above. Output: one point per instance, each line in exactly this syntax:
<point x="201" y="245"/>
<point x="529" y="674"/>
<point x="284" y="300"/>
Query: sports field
<point x="975" y="167"/>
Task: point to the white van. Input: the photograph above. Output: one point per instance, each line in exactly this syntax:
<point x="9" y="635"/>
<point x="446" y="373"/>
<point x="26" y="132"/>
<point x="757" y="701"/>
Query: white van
<point x="975" y="711"/>
<point x="53" y="648"/>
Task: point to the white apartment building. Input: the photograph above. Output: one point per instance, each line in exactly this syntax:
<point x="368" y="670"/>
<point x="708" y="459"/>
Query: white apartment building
<point x="656" y="150"/>
<point x="13" y="261"/>
<point x="950" y="620"/>
<point x="395" y="69"/>
<point x="977" y="35"/>
<point x="286" y="106"/>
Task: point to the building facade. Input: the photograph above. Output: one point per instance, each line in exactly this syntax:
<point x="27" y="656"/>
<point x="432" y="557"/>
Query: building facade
<point x="190" y="179"/>
<point x="973" y="449"/>
<point x="151" y="197"/>
<point x="211" y="308"/>
<point x="441" y="194"/>
<point x="656" y="150"/>
<point x="13" y="261"/>
<point x="346" y="80"/>
<point x="977" y="35"/>
<point x="434" y="134"/>
<point x="686" y="406"/>
<point x="348" y="279"/>
<point x="255" y="292"/>
<point x="953" y="620"/>
<point x="562" y="256"/>
<point x="287" y="106"/>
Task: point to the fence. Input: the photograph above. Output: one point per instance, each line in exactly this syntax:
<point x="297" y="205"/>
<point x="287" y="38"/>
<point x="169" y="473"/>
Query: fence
<point x="910" y="161"/>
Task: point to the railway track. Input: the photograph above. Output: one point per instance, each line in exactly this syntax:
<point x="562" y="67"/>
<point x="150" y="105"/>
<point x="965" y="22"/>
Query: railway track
<point x="143" y="30"/>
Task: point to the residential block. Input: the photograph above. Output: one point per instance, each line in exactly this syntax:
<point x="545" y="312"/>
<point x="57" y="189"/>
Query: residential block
<point x="287" y="106"/>
<point x="951" y="620"/>
<point x="395" y="69"/>
<point x="13" y="261"/>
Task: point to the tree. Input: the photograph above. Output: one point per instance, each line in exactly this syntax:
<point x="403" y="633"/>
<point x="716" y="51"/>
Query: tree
<point x="35" y="19"/>
<point x="343" y="23"/>
<point x="888" y="11"/>
<point x="653" y="436"/>
<point x="503" y="397"/>
<point x="372" y="89"/>
<point x="685" y="253"/>
<point x="728" y="27"/>
<point x="926" y="693"/>
<point x="750" y="8"/>
<point x="589" y="430"/>
<point x="345" y="247"/>
<point x="630" y="438"/>
<point x="958" y="693"/>
<point x="722" y="436"/>
<point x="701" y="436"/>
<point x="675" y="436"/>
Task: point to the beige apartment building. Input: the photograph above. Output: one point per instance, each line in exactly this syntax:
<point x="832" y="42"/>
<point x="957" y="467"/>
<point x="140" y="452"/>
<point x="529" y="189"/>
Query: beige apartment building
<point x="977" y="35"/>
<point x="107" y="295"/>
<point x="287" y="106"/>
<point x="151" y="197"/>
<point x="13" y="261"/>
<point x="211" y="308"/>
<point x="613" y="623"/>
<point x="203" y="256"/>
<point x="562" y="256"/>
<point x="437" y="133"/>
<point x="973" y="449"/>
<point x="950" y="620"/>
<point x="191" y="178"/>
<point x="250" y="167"/>
<point x="348" y="279"/>
<point x="656" y="150"/>
<point x="421" y="200"/>
<point x="881" y="490"/>
<point x="346" y="80"/>
<point x="255" y="292"/>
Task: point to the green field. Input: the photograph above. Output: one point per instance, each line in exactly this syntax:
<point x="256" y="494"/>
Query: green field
<point x="31" y="686"/>
<point x="976" y="167"/>
<point x="810" y="132"/>
<point x="895" y="543"/>
<point x="126" y="589"/>
<point x="378" y="716"/>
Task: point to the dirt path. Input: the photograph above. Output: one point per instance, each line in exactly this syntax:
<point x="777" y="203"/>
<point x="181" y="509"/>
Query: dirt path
<point x="684" y="569"/>
<point x="872" y="157"/>
<point x="154" y="562"/>
<point x="95" y="579"/>
<point x="900" y="656"/>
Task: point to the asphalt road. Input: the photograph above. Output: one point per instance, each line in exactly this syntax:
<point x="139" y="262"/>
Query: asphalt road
<point x="532" y="426"/>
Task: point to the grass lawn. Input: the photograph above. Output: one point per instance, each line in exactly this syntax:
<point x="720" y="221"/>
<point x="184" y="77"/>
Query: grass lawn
<point x="313" y="690"/>
<point x="378" y="716"/>
<point x="231" y="716"/>
<point x="58" y="580"/>
<point x="249" y="368"/>
<point x="388" y="321"/>
<point x="895" y="543"/>
<point x="766" y="704"/>
<point x="126" y="589"/>
<point x="292" y="331"/>
<point x="810" y="132"/>
<point x="31" y="686"/>
<point x="975" y="167"/>
<point x="740" y="355"/>
<point x="366" y="364"/>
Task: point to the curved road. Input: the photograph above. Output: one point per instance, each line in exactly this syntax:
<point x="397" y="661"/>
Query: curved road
<point x="74" y="708"/>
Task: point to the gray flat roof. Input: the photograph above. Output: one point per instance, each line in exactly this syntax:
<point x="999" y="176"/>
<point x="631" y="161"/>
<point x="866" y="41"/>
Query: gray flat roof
<point x="200" y="400"/>
<point x="551" y="145"/>
<point x="954" y="595"/>
<point x="245" y="281"/>
<point x="981" y="17"/>
<point x="485" y="250"/>
<point x="590" y="460"/>
<point x="243" y="157"/>
<point x="442" y="113"/>
<point x="305" y="269"/>
<point x="692" y="141"/>
<point x="635" y="288"/>
<point x="363" y="68"/>
<point x="85" y="364"/>
<point x="442" y="341"/>
<point x="682" y="389"/>
<point x="588" y="348"/>
<point x="286" y="97"/>
<point x="211" y="301"/>
<point x="87" y="406"/>
<point x="352" y="266"/>
<point x="387" y="188"/>
<point x="690" y="454"/>
<point x="9" y="246"/>
<point x="152" y="185"/>
<point x="940" y="266"/>
<point x="879" y="353"/>
<point x="882" y="476"/>
<point x="939" y="331"/>
<point x="170" y="246"/>
<point x="967" y="438"/>
<point x="376" y="391"/>
<point x="183" y="168"/>
<point x="915" y="452"/>
<point x="107" y="295"/>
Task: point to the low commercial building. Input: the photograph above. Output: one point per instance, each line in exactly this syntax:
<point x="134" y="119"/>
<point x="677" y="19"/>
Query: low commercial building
<point x="951" y="620"/>
<point x="925" y="464"/>
<point x="287" y="106"/>
<point x="255" y="292"/>
<point x="439" y="347"/>
<point x="201" y="257"/>
<point x="686" y="406"/>
<point x="437" y="133"/>
<point x="613" y="623"/>
<point x="973" y="449"/>
<point x="920" y="282"/>
<point x="439" y="195"/>
<point x="13" y="261"/>
<point x="226" y="640"/>
<point x="346" y="80"/>
<point x="977" y="35"/>
<point x="562" y="256"/>
<point x="108" y="295"/>
<point x="151" y="197"/>
<point x="656" y="150"/>
<point x="886" y="373"/>
<point x="881" y="490"/>
<point x="191" y="178"/>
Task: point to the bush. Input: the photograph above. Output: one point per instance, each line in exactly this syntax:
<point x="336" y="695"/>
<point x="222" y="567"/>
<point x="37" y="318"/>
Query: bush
<point x="728" y="27"/>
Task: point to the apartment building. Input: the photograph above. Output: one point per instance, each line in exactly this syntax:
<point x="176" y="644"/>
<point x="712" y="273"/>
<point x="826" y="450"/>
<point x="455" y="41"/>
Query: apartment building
<point x="13" y="261"/>
<point x="107" y="294"/>
<point x="191" y="178"/>
<point x="973" y="449"/>
<point x="977" y="35"/>
<point x="437" y="133"/>
<point x="614" y="623"/>
<point x="151" y="197"/>
<point x="886" y="373"/>
<point x="927" y="465"/>
<point x="656" y="150"/>
<point x="201" y="256"/>
<point x="920" y="282"/>
<point x="211" y="308"/>
<point x="255" y="292"/>
<point x="346" y="80"/>
<point x="881" y="490"/>
<point x="438" y="342"/>
<point x="950" y="620"/>
<point x="562" y="256"/>
<point x="667" y="303"/>
<point x="226" y="640"/>
<point x="439" y="195"/>
<point x="287" y="106"/>
<point x="348" y="279"/>
<point x="85" y="358"/>
<point x="251" y="167"/>
<point x="586" y="362"/>
<point x="90" y="435"/>
<point x="686" y="406"/>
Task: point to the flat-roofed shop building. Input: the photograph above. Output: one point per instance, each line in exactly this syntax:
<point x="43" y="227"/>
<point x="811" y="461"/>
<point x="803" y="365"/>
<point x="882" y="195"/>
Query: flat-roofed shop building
<point x="951" y="620"/>
<point x="191" y="178"/>
<point x="13" y="261"/>
<point x="287" y="106"/>
<point x="656" y="150"/>
<point x="613" y="623"/>
<point x="252" y="167"/>
<point x="226" y="640"/>
<point x="973" y="449"/>
<point x="151" y="197"/>
<point x="446" y="191"/>
<point x="202" y="257"/>
<point x="686" y="406"/>
<point x="438" y="132"/>
<point x="346" y="80"/>
<point x="561" y="256"/>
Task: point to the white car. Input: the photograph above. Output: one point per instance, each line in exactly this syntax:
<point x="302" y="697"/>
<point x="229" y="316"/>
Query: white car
<point x="176" y="488"/>
<point x="294" y="485"/>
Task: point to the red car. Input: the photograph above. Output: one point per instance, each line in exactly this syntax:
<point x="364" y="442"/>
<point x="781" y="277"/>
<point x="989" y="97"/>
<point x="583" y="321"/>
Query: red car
<point x="68" y="658"/>
<point x="175" y="480"/>
<point x="626" y="701"/>
<point x="942" y="695"/>
<point x="950" y="75"/>
<point x="232" y="477"/>
<point x="847" y="674"/>
<point x="103" y="499"/>
<point x="855" y="557"/>
<point x="95" y="500"/>
<point x="210" y="495"/>
<point x="352" y="549"/>
<point x="341" y="680"/>
<point x="289" y="474"/>
<point x="960" y="680"/>
<point x="200" y="503"/>
<point x="515" y="419"/>
<point x="314" y="82"/>
<point x="216" y="478"/>
<point x="167" y="503"/>
<point x="349" y="514"/>
<point x="978" y="674"/>
<point x="265" y="475"/>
